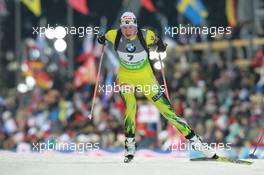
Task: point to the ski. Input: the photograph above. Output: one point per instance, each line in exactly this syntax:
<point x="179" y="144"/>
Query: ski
<point x="128" y="158"/>
<point x="223" y="159"/>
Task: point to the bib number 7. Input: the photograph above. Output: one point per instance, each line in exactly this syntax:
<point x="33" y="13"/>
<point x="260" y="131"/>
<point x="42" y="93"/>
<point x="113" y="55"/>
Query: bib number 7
<point x="130" y="57"/>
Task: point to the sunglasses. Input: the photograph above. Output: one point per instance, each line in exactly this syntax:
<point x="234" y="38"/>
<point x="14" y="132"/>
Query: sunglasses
<point x="129" y="21"/>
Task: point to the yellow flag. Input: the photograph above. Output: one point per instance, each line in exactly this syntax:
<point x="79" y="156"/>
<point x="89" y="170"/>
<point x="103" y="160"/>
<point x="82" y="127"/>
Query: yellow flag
<point x="231" y="12"/>
<point x="33" y="5"/>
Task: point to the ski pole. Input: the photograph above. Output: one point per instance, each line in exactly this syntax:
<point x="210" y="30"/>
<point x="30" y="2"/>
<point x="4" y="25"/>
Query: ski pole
<point x="164" y="79"/>
<point x="252" y="155"/>
<point x="96" y="83"/>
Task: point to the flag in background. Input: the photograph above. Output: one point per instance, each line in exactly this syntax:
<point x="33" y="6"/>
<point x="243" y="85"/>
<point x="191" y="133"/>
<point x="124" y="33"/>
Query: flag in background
<point x="108" y="93"/>
<point x="86" y="73"/>
<point x="147" y="4"/>
<point x="3" y="9"/>
<point x="88" y="43"/>
<point x="112" y="59"/>
<point x="33" y="5"/>
<point x="43" y="79"/>
<point x="80" y="6"/>
<point x="194" y="10"/>
<point x="230" y="10"/>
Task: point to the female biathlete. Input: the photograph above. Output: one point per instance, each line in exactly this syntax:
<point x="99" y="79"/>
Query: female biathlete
<point x="131" y="45"/>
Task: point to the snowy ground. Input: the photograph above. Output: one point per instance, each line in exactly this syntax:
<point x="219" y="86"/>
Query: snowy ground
<point x="75" y="164"/>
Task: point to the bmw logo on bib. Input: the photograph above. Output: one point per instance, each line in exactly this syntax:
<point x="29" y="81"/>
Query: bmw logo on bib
<point x="130" y="47"/>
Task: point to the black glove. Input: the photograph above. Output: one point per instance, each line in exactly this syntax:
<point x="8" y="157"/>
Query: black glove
<point x="101" y="39"/>
<point x="161" y="46"/>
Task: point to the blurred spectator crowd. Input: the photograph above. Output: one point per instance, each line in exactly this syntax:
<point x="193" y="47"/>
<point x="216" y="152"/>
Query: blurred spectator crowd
<point x="221" y="99"/>
<point x="218" y="93"/>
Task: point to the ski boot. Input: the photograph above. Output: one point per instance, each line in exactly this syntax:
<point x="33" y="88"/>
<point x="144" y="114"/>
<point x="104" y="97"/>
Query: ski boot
<point x="130" y="149"/>
<point x="198" y="145"/>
